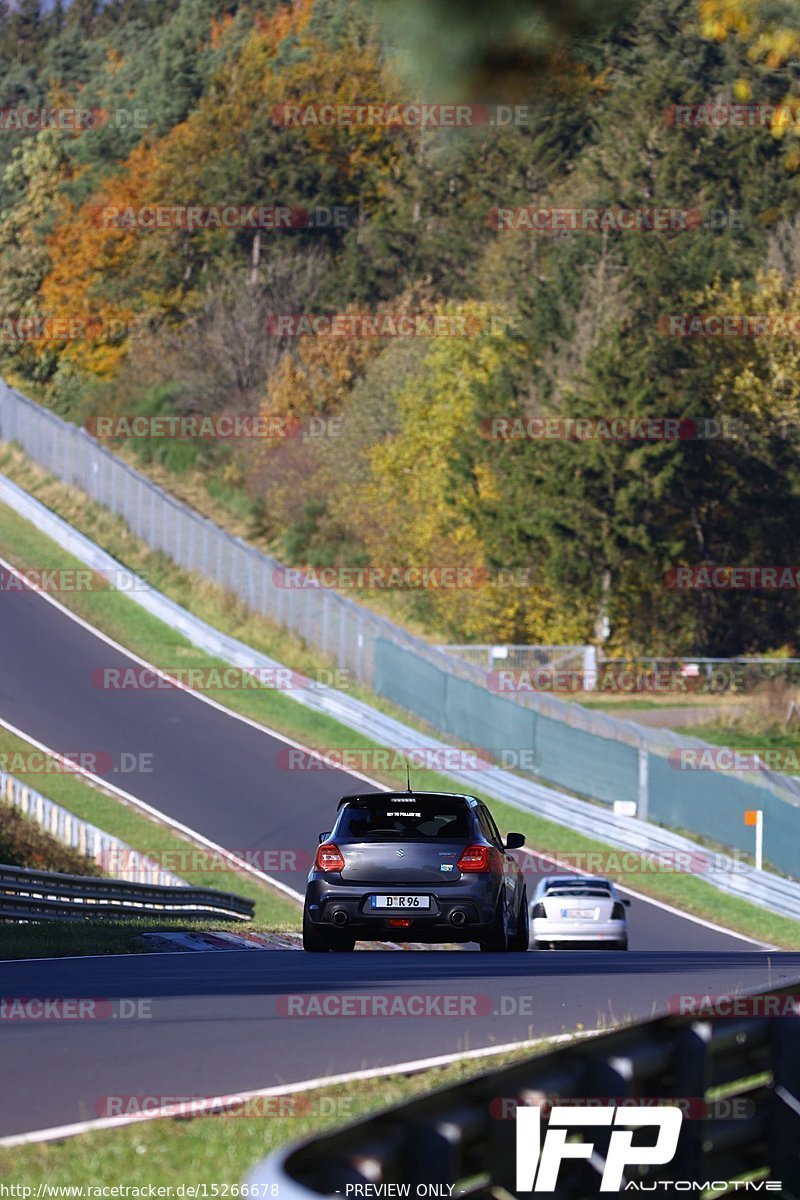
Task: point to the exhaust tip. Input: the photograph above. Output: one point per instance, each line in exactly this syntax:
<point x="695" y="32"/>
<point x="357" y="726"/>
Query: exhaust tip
<point x="339" y="917"/>
<point x="458" y="918"/>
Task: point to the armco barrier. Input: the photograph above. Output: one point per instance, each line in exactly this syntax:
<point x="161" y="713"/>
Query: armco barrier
<point x="771" y="891"/>
<point x="27" y="895"/>
<point x="582" y="750"/>
<point x="461" y="1140"/>
<point x="101" y="847"/>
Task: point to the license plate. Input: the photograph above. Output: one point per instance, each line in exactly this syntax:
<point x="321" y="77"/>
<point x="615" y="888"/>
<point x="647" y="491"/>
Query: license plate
<point x="579" y="913"/>
<point x="401" y="901"/>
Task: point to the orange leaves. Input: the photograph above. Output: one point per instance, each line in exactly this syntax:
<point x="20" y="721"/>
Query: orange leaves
<point x="88" y="261"/>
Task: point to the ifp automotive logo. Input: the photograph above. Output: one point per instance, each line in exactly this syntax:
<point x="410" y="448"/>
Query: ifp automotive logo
<point x="539" y="1159"/>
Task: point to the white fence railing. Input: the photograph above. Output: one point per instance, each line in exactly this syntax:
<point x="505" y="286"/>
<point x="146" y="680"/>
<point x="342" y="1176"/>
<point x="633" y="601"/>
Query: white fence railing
<point x="113" y="856"/>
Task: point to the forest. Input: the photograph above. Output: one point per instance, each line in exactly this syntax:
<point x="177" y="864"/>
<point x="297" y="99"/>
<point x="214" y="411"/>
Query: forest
<point x="547" y="327"/>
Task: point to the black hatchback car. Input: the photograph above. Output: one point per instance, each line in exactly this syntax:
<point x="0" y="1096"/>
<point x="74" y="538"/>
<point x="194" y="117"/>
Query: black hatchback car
<point x="415" y="867"/>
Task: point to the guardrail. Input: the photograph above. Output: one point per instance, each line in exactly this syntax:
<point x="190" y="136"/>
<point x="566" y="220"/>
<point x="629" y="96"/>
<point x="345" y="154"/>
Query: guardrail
<point x="465" y="1136"/>
<point x="27" y="895"/>
<point x="101" y="847"/>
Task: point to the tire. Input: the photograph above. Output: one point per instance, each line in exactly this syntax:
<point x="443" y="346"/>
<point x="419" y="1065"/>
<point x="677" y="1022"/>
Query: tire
<point x="315" y="941"/>
<point x="520" y="940"/>
<point x="621" y="945"/>
<point x="497" y="940"/>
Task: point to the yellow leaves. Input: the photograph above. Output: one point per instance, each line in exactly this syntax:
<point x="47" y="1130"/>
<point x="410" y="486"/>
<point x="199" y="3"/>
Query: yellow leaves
<point x="410" y="505"/>
<point x="776" y="46"/>
<point x="787" y="118"/>
<point x="719" y="18"/>
<point x="114" y="61"/>
<point x="757" y="377"/>
<point x="771" y="40"/>
<point x="752" y="21"/>
<point x="317" y="376"/>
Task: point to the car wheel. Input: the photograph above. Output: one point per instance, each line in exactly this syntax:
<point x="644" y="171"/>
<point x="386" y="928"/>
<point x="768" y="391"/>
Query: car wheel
<point x="520" y="941"/>
<point x="621" y="945"/>
<point x="315" y="941"/>
<point x="497" y="941"/>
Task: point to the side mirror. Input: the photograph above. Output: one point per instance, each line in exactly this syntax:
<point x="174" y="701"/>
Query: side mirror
<point x="323" y="837"/>
<point x="514" y="841"/>
<point x="627" y="903"/>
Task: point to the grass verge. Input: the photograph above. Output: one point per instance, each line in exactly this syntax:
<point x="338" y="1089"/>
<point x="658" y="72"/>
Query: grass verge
<point x="778" y="748"/>
<point x="141" y="833"/>
<point x="118" y="616"/>
<point x="63" y="939"/>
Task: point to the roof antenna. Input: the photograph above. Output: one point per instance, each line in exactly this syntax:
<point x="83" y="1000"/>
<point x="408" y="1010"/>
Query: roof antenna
<point x="408" y="778"/>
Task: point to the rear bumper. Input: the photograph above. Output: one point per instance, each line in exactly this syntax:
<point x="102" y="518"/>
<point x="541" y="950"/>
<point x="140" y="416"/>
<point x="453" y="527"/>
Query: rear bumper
<point x="572" y="933"/>
<point x="347" y="907"/>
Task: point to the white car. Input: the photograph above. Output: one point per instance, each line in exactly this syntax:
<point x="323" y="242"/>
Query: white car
<point x="578" y="910"/>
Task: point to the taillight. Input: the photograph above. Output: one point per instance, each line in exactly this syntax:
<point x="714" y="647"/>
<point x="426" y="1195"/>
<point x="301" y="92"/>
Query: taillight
<point x="474" y="858"/>
<point x="329" y="858"/>
<point x="538" y="911"/>
<point x="618" y="912"/>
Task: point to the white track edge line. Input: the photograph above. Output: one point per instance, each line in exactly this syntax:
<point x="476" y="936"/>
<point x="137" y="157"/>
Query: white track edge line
<point x="162" y="818"/>
<point x="288" y="741"/>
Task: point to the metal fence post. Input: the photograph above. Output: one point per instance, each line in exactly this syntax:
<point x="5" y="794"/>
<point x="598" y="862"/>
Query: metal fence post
<point x="643" y="802"/>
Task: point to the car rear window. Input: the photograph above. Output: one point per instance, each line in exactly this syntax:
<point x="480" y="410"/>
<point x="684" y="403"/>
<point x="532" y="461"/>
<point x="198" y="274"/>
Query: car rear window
<point x="404" y="819"/>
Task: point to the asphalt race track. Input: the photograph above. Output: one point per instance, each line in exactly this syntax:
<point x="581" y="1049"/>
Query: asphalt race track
<point x="219" y="1023"/>
<point x="216" y="1023"/>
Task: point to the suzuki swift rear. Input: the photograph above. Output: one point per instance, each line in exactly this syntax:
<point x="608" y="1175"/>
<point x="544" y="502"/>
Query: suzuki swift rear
<point x="415" y="867"/>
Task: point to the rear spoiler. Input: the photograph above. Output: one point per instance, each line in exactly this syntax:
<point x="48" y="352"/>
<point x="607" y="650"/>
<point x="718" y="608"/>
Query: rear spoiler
<point x="362" y="799"/>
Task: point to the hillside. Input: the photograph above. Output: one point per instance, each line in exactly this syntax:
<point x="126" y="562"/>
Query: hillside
<point x="536" y="262"/>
